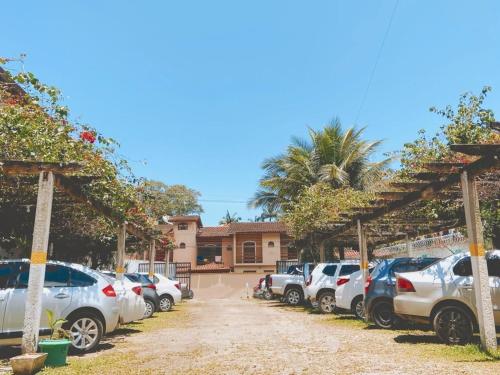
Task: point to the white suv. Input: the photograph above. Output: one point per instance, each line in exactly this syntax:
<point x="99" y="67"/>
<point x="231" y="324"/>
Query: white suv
<point x="321" y="284"/>
<point x="443" y="295"/>
<point x="84" y="297"/>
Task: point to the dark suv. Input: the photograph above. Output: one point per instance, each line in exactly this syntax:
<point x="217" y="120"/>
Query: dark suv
<point x="380" y="287"/>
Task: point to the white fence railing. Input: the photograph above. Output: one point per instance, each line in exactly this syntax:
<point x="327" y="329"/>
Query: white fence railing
<point x="435" y="246"/>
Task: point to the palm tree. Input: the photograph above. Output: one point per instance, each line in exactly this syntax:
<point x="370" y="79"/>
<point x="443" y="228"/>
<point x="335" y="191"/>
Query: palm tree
<point x="332" y="155"/>
<point x="229" y="218"/>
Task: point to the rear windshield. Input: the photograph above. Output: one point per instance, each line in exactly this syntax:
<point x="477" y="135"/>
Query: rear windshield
<point x="412" y="265"/>
<point x="347" y="269"/>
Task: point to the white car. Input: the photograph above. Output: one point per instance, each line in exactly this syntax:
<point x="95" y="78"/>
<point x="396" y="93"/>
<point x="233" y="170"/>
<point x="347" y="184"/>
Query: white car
<point x="322" y="282"/>
<point x="443" y="294"/>
<point x="168" y="290"/>
<point x="349" y="294"/>
<point x="130" y="300"/>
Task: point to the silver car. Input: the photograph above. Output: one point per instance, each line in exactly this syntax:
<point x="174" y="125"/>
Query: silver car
<point x="443" y="294"/>
<point x="85" y="298"/>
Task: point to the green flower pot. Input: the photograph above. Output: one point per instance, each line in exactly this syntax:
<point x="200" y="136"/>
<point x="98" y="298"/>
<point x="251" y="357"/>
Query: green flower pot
<point x="57" y="351"/>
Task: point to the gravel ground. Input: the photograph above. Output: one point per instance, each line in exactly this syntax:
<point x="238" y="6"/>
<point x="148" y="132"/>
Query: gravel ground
<point x="240" y="336"/>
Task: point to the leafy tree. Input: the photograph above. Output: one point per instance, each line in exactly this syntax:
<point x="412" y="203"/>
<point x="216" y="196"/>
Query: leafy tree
<point x="333" y="156"/>
<point x="229" y="218"/>
<point x="162" y="200"/>
<point x="467" y="124"/>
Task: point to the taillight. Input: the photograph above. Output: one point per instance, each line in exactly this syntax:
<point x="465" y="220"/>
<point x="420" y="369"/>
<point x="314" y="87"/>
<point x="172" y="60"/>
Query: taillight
<point x="404" y="285"/>
<point x="178" y="286"/>
<point x="367" y="284"/>
<point x="342" y="281"/>
<point x="137" y="290"/>
<point x="151" y="286"/>
<point x="109" y="291"/>
<point x="309" y="280"/>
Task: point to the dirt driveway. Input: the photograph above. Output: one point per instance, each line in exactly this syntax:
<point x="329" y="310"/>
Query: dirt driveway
<point x="236" y="335"/>
<point x="239" y="336"/>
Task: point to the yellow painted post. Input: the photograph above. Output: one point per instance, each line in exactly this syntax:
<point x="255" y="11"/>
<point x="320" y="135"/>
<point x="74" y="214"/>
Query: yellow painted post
<point x="152" y="254"/>
<point x="33" y="305"/>
<point x="480" y="277"/>
<point x="363" y="253"/>
<point x="120" y="251"/>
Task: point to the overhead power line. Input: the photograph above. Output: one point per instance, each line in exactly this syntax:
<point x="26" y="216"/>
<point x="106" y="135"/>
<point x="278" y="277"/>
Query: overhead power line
<point x="377" y="59"/>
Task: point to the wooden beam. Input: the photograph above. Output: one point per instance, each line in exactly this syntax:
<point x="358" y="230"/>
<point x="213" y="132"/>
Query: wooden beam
<point x="443" y="167"/>
<point x="24" y="168"/>
<point x="477" y="149"/>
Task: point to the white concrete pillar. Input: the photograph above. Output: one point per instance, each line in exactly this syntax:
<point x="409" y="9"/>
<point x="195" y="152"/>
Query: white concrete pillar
<point x="482" y="293"/>
<point x="120" y="251"/>
<point x="33" y="305"/>
<point x="167" y="263"/>
<point x="409" y="246"/>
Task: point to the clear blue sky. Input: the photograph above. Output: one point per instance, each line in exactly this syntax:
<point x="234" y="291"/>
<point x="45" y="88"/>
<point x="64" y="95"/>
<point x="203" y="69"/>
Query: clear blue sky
<point x="203" y="91"/>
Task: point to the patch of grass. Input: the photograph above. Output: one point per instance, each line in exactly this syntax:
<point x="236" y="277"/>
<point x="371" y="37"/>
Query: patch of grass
<point x="113" y="364"/>
<point x="117" y="361"/>
<point x="467" y="353"/>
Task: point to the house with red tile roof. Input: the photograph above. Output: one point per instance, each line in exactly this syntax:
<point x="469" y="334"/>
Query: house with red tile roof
<point x="239" y="247"/>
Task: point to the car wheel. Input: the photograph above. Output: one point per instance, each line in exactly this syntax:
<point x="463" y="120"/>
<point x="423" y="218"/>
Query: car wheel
<point x="327" y="302"/>
<point x="293" y="296"/>
<point x="268" y="295"/>
<point x="383" y="315"/>
<point x="150" y="308"/>
<point x="166" y="303"/>
<point x="358" y="307"/>
<point x="86" y="331"/>
<point x="453" y="325"/>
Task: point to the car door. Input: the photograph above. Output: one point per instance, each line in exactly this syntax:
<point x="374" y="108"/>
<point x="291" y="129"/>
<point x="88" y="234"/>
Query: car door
<point x="494" y="276"/>
<point x="5" y="289"/>
<point x="56" y="296"/>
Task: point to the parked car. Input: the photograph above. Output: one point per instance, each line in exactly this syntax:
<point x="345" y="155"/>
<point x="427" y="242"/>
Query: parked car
<point x="151" y="298"/>
<point x="349" y="293"/>
<point x="84" y="297"/>
<point x="168" y="290"/>
<point x="322" y="283"/>
<point x="443" y="295"/>
<point x="291" y="285"/>
<point x="380" y="288"/>
<point x="130" y="299"/>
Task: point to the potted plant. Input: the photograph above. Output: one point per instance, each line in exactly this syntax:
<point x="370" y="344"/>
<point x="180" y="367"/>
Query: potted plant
<point x="56" y="346"/>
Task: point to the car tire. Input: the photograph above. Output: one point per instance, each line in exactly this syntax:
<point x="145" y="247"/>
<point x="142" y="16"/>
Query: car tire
<point x="326" y="302"/>
<point x="268" y="295"/>
<point x="149" y="309"/>
<point x="358" y="307"/>
<point x="383" y="315"/>
<point x="294" y="296"/>
<point x="85" y="329"/>
<point x="453" y="325"/>
<point x="166" y="303"/>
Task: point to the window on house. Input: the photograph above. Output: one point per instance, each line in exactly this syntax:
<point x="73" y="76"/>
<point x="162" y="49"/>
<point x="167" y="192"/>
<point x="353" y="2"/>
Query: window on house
<point x="270" y="244"/>
<point x="249" y="252"/>
<point x="182" y="245"/>
<point x="182" y="226"/>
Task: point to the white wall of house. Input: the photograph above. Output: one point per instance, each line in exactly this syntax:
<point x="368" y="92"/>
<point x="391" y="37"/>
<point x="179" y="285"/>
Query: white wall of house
<point x="270" y="254"/>
<point x="188" y="237"/>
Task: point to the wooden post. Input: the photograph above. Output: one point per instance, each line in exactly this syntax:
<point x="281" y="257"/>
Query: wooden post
<point x="33" y="305"/>
<point x="322" y="252"/>
<point x="479" y="267"/>
<point x="120" y="251"/>
<point x="409" y="247"/>
<point x="363" y="253"/>
<point x="152" y="254"/>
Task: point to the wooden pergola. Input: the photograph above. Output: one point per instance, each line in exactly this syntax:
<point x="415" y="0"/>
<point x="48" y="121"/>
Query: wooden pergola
<point x="66" y="179"/>
<point x="388" y="218"/>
